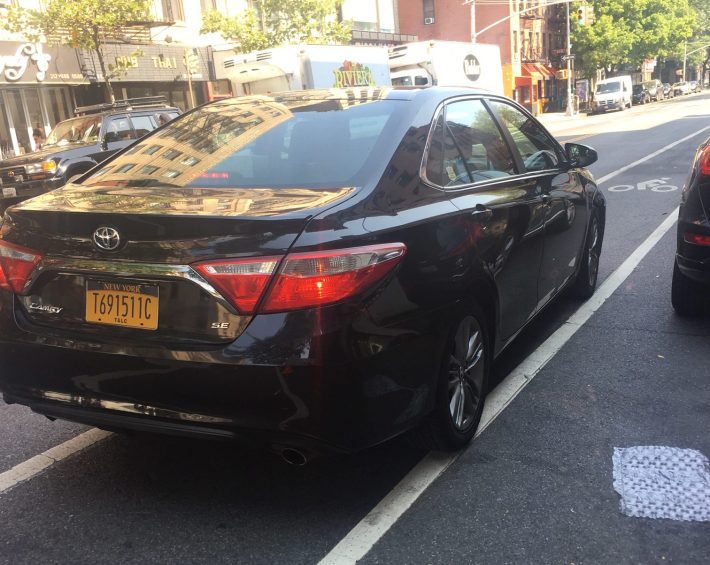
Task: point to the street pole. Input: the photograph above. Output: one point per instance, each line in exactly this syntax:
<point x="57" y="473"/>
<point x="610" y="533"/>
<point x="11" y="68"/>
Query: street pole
<point x="188" y="68"/>
<point x="473" y="21"/>
<point x="686" y="53"/>
<point x="570" y="108"/>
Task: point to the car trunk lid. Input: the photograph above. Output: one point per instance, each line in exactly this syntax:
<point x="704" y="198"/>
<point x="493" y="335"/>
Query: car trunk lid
<point x="78" y="287"/>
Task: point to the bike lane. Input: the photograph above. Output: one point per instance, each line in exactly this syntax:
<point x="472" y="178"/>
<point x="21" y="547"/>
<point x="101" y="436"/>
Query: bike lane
<point x="536" y="486"/>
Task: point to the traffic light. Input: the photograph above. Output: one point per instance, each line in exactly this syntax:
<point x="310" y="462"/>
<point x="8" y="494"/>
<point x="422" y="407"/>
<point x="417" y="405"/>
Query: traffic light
<point x="581" y="16"/>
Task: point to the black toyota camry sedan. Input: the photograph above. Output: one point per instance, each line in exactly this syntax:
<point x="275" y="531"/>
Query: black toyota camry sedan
<point x="314" y="271"/>
<point x="690" y="292"/>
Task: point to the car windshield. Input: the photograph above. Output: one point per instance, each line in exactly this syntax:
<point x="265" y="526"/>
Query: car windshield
<point x="261" y="142"/>
<point x="607" y="87"/>
<point x="76" y="130"/>
<point x="637" y="88"/>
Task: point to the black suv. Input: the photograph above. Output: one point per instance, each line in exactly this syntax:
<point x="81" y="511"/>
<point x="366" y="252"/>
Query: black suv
<point x="75" y="145"/>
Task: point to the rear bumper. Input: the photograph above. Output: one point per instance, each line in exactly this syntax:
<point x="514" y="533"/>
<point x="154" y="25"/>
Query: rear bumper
<point x="346" y="392"/>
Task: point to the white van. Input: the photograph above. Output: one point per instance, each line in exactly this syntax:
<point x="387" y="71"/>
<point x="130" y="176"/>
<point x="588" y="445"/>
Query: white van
<point x="447" y="63"/>
<point x="299" y="67"/>
<point x="612" y="94"/>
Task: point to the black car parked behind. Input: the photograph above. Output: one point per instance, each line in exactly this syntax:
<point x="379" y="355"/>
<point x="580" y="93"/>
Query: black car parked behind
<point x="691" y="271"/>
<point x="316" y="271"/>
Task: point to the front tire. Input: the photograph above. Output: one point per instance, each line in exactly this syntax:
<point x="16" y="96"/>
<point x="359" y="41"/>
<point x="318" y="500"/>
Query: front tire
<point x="586" y="282"/>
<point x="687" y="296"/>
<point x="461" y="386"/>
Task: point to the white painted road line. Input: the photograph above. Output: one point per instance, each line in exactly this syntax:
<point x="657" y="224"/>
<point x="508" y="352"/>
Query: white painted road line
<point x="32" y="467"/>
<point x="381" y="518"/>
<point x="651" y="156"/>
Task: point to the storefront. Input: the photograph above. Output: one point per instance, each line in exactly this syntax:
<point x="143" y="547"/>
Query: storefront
<point x="534" y="87"/>
<point x="35" y="92"/>
<point x="150" y="70"/>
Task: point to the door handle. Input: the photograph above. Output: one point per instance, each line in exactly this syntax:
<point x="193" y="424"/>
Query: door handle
<point x="546" y="198"/>
<point x="482" y="211"/>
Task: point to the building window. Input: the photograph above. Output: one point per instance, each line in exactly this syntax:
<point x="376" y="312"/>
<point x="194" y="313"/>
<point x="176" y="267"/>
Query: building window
<point x="172" y="10"/>
<point x="428" y="9"/>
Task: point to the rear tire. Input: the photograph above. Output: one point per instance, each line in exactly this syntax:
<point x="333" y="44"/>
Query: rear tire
<point x="586" y="281"/>
<point x="687" y="296"/>
<point x="461" y="386"/>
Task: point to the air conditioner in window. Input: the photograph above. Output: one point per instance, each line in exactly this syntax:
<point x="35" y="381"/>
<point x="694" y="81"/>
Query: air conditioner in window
<point x="428" y="21"/>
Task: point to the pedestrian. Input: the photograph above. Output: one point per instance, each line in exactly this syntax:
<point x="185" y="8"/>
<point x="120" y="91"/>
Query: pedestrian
<point x="38" y="137"/>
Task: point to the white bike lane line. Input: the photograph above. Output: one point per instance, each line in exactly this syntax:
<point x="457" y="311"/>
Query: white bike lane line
<point x="358" y="542"/>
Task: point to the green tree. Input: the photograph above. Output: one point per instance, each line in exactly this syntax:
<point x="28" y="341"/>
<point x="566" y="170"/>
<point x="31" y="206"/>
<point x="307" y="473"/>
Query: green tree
<point x="272" y="23"/>
<point x="629" y="31"/>
<point x="701" y="36"/>
<point x="84" y="24"/>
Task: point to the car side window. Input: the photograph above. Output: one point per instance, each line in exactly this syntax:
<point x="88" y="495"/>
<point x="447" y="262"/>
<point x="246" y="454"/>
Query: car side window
<point x="467" y="146"/>
<point x="118" y="129"/>
<point x="143" y="125"/>
<point x="536" y="147"/>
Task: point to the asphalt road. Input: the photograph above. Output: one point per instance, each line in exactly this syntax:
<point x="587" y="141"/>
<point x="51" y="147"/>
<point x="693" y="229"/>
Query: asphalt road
<point x="535" y="487"/>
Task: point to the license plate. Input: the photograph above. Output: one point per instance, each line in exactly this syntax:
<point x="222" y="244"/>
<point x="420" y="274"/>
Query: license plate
<point x="9" y="191"/>
<point x="125" y="304"/>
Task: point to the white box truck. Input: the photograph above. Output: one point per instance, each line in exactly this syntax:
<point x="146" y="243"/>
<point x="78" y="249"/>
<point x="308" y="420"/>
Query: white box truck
<point x="302" y="67"/>
<point x="447" y="63"/>
<point x="612" y="94"/>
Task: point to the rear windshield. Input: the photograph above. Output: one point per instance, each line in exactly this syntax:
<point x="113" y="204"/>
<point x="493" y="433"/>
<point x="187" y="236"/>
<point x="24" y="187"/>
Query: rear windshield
<point x="261" y="143"/>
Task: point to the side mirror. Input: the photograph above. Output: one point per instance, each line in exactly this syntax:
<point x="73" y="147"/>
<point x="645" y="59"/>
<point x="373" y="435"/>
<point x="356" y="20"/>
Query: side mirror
<point x="580" y="155"/>
<point x="110" y="137"/>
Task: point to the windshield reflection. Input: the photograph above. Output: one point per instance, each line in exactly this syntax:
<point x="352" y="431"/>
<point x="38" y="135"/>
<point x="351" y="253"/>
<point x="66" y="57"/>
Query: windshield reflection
<point x="257" y="142"/>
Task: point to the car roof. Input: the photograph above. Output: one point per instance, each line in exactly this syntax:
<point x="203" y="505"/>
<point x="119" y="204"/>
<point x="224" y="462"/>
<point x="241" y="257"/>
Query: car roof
<point x="423" y="94"/>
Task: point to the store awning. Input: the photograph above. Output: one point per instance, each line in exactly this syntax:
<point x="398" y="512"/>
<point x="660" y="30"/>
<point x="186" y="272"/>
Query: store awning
<point x="537" y="71"/>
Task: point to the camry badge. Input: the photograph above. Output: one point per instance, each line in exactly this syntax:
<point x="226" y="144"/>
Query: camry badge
<point x="107" y="238"/>
<point x="46" y="308"/>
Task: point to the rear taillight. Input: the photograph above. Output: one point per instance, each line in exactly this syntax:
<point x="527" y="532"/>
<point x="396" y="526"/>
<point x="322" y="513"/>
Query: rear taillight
<point x="697" y="238"/>
<point x="705" y="161"/>
<point x="323" y="277"/>
<point x="241" y="281"/>
<point x="305" y="280"/>
<point x="16" y="266"/>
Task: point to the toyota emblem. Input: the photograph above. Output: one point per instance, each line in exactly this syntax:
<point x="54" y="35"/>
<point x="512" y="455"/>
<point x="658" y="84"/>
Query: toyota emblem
<point x="107" y="238"/>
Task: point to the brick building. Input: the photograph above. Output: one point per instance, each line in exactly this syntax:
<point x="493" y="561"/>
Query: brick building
<point x="531" y="40"/>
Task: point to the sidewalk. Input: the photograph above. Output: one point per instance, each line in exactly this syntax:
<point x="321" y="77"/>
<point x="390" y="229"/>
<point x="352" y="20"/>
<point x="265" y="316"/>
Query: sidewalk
<point x="558" y="121"/>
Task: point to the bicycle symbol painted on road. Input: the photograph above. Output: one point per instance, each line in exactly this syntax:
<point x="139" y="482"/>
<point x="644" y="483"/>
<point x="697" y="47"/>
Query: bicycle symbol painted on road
<point x="654" y="185"/>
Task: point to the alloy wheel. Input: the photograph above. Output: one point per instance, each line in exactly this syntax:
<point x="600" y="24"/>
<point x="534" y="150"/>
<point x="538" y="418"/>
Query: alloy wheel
<point x="466" y="373"/>
<point x="593" y="253"/>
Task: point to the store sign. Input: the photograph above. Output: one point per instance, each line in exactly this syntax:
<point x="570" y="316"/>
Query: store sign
<point x="353" y="74"/>
<point x="471" y="68"/>
<point x="13" y="67"/>
<point x="39" y="63"/>
<point x="147" y="63"/>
